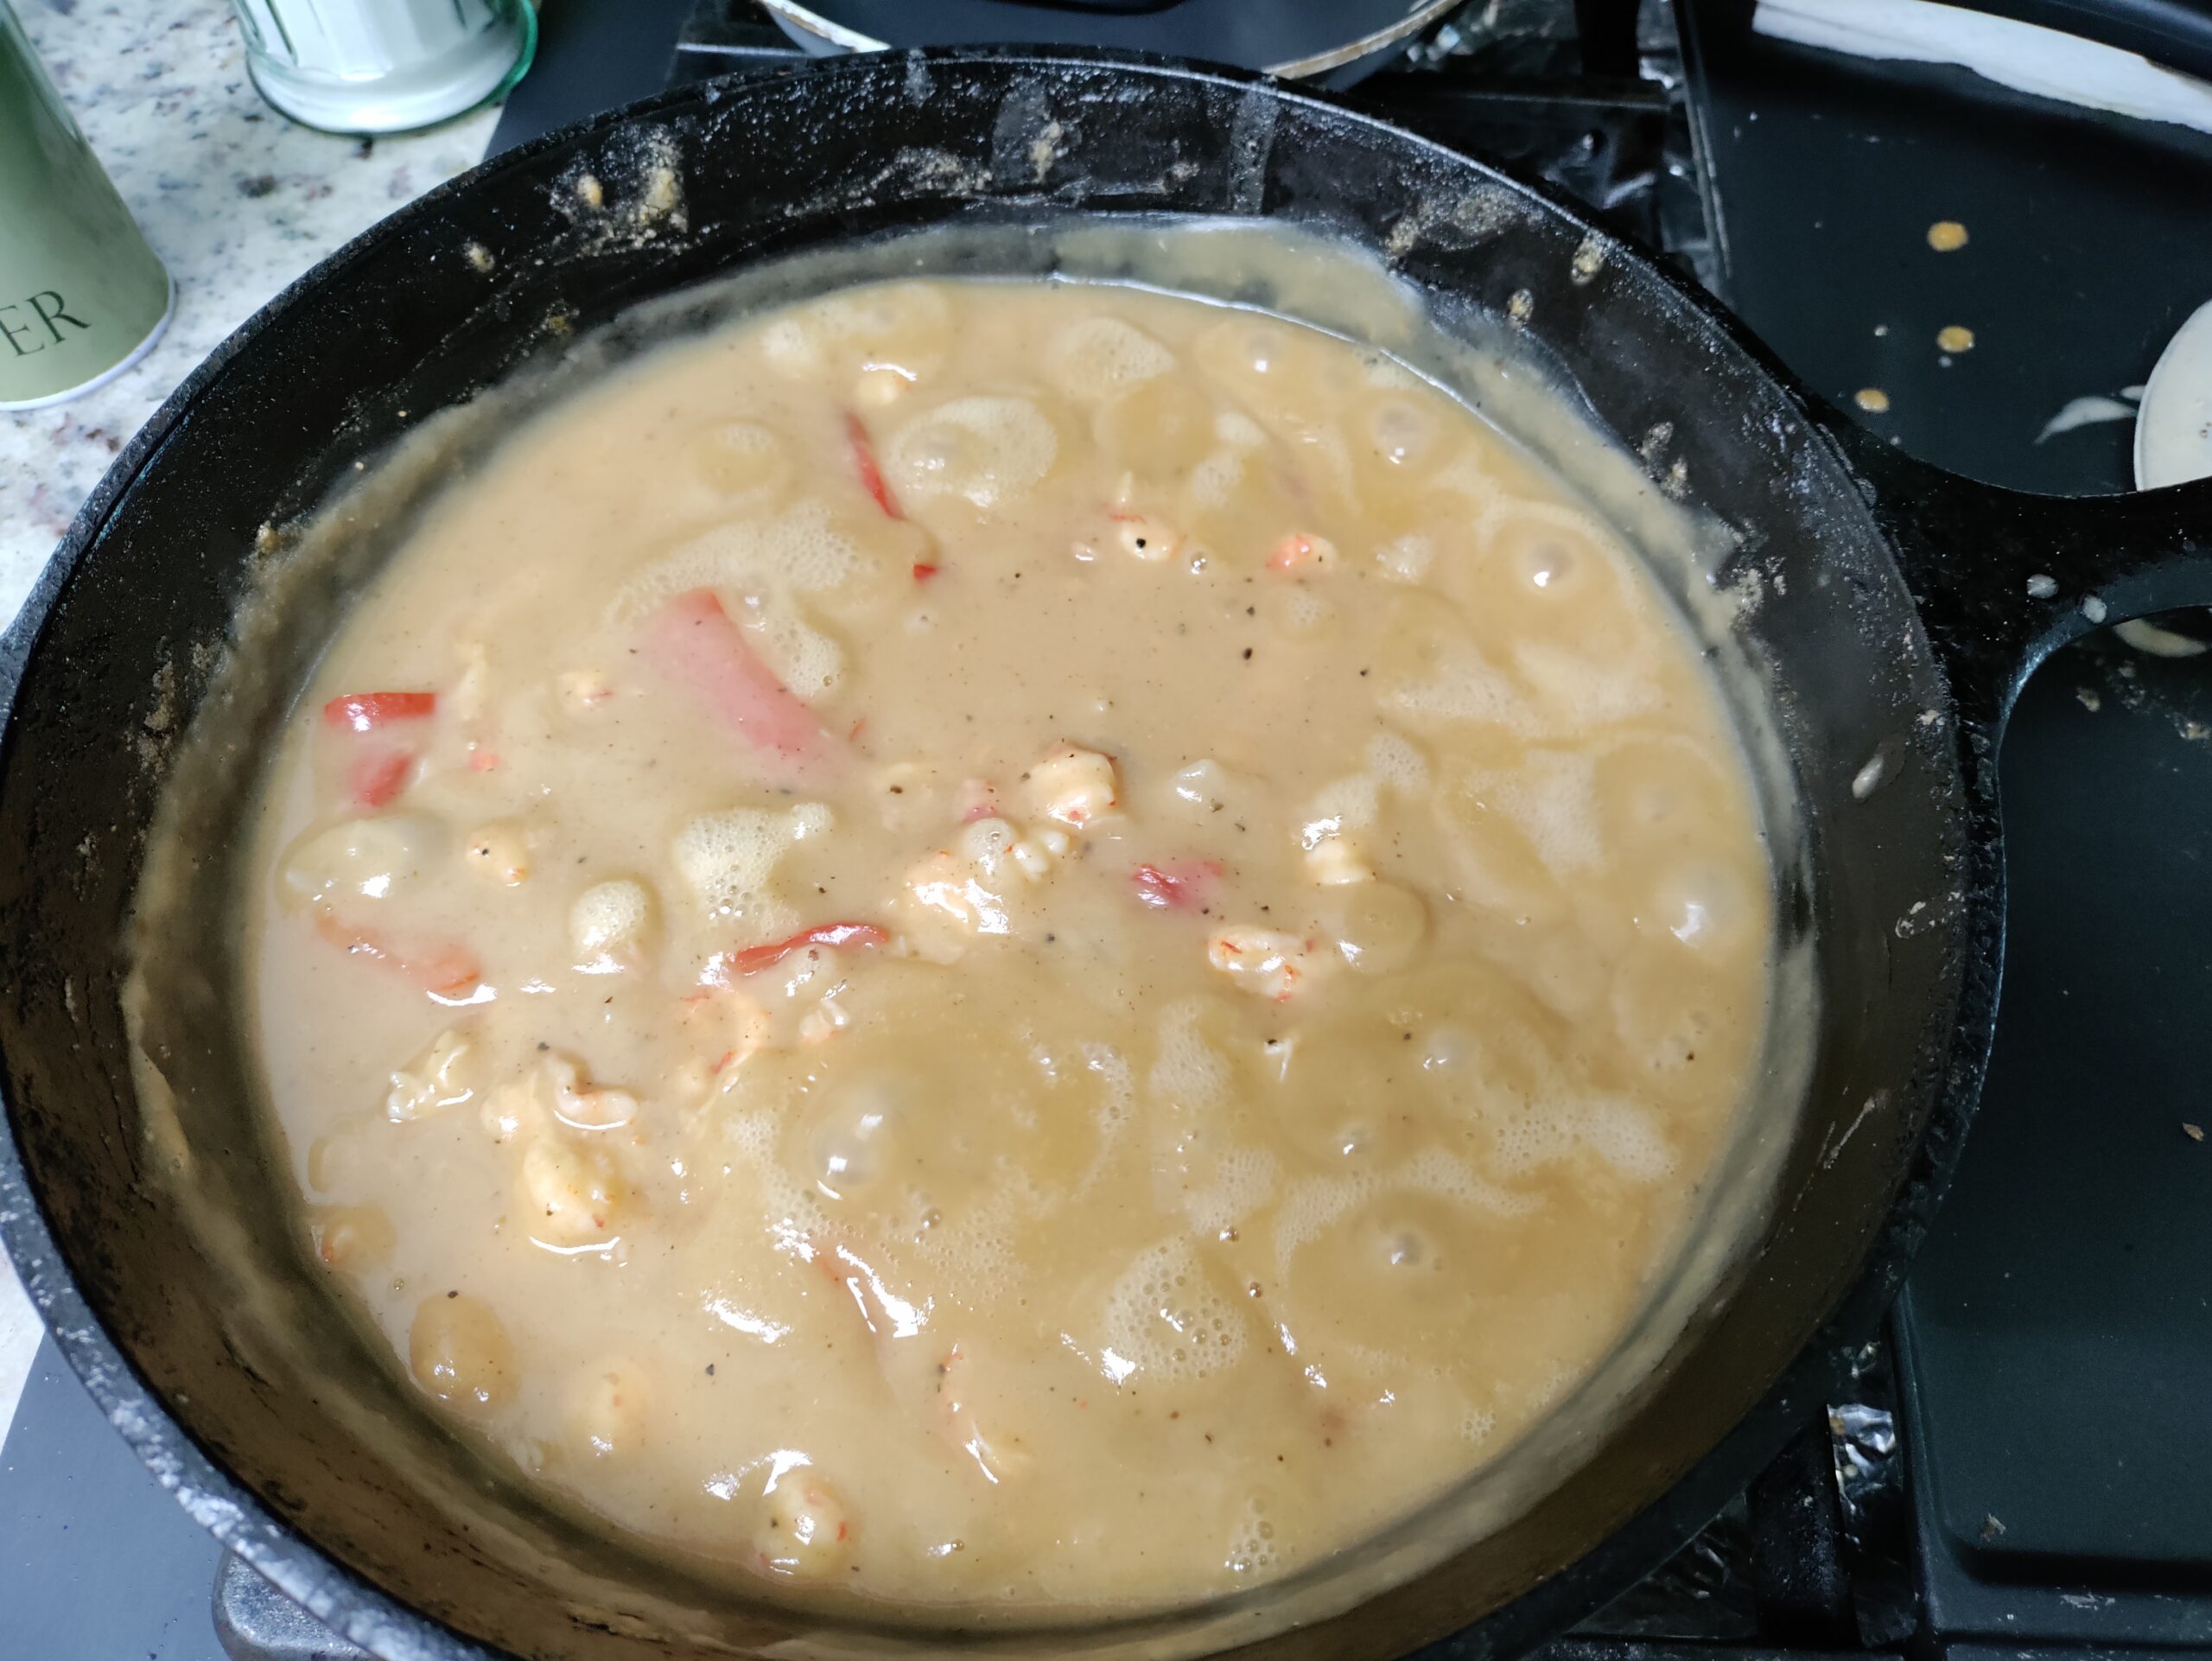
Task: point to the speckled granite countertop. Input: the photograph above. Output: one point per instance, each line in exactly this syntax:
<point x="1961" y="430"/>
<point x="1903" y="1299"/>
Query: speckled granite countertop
<point x="237" y="201"/>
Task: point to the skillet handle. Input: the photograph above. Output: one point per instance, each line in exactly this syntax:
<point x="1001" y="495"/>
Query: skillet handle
<point x="2004" y="578"/>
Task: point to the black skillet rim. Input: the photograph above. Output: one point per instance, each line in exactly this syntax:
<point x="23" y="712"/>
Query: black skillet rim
<point x="353" y="1605"/>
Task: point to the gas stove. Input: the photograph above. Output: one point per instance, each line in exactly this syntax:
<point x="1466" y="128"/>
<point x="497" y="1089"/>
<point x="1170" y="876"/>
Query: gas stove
<point x="2023" y="1463"/>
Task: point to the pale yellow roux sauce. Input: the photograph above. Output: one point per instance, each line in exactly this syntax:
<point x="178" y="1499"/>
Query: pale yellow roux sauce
<point x="1041" y="1245"/>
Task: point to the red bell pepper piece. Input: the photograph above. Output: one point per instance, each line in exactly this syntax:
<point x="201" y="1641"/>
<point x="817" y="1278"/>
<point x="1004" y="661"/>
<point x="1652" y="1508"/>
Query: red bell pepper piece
<point x="377" y="775"/>
<point x="754" y="960"/>
<point x="364" y="712"/>
<point x="694" y="641"/>
<point x="871" y="476"/>
<point x="377" y="770"/>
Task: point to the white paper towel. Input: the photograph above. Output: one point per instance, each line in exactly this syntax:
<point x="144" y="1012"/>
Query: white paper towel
<point x="2040" y="61"/>
<point x="19" y="1332"/>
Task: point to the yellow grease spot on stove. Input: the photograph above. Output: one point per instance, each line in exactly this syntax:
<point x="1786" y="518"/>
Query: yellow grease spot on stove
<point x="1947" y="236"/>
<point x="1873" y="399"/>
<point x="1954" y="337"/>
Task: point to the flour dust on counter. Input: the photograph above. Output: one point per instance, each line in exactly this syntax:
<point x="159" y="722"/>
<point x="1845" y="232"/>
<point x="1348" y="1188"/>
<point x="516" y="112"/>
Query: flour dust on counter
<point x="1006" y="947"/>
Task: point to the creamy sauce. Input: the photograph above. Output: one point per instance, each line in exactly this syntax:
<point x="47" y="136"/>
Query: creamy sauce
<point x="996" y="944"/>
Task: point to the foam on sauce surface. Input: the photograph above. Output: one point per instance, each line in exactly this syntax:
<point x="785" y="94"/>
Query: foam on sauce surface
<point x="1002" y="944"/>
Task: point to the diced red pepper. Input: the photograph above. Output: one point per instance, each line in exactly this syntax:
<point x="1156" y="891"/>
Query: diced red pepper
<point x="376" y="775"/>
<point x="364" y="712"/>
<point x="871" y="476"/>
<point x="1177" y="884"/>
<point x="754" y="960"/>
<point x="693" y="640"/>
<point x="924" y="571"/>
<point x="446" y="969"/>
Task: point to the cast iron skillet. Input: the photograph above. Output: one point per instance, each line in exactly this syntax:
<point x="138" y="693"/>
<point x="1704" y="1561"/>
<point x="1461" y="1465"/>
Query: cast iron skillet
<point x="1911" y="607"/>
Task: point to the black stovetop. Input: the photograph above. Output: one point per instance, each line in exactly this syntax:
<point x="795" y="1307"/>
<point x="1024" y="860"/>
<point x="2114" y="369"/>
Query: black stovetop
<point x="2026" y="1465"/>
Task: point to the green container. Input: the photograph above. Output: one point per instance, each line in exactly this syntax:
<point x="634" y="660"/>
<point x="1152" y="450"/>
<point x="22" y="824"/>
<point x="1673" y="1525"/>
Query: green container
<point x="82" y="297"/>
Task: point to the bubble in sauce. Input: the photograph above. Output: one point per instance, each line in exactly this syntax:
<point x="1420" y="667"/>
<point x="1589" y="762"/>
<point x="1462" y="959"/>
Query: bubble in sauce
<point x="803" y="658"/>
<point x="790" y="1211"/>
<point x="1550" y="552"/>
<point x="1551" y="798"/>
<point x="1187" y="1070"/>
<point x="1493" y="864"/>
<point x="1405" y="1248"/>
<point x="1406" y="558"/>
<point x="609" y="918"/>
<point x="1664" y="1014"/>
<point x="1468" y="485"/>
<point x="906" y="324"/>
<point x="1214" y="480"/>
<point x="728" y="858"/>
<point x="1700" y="903"/>
<point x="1466" y="686"/>
<point x="1347" y="803"/>
<point x="1117" y="1090"/>
<point x="1235" y="428"/>
<point x="746" y="465"/>
<point x="1565" y="971"/>
<point x="1252" y="1547"/>
<point x="1443" y="1175"/>
<point x="1378" y="925"/>
<point x="1626" y="1137"/>
<point x="1154" y="426"/>
<point x="852" y="1141"/>
<point x="1306" y="613"/>
<point x="1398" y="762"/>
<point x="1166" y="1317"/>
<point x="1243" y="1180"/>
<point x="1309" y="1206"/>
<point x="1584" y="689"/>
<point x="796" y="552"/>
<point x="1401" y="432"/>
<point x="1244" y="349"/>
<point x="1661" y="789"/>
<point x="1323" y="454"/>
<point x="989" y="450"/>
<point x="1100" y="356"/>
<point x="1449" y="1048"/>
